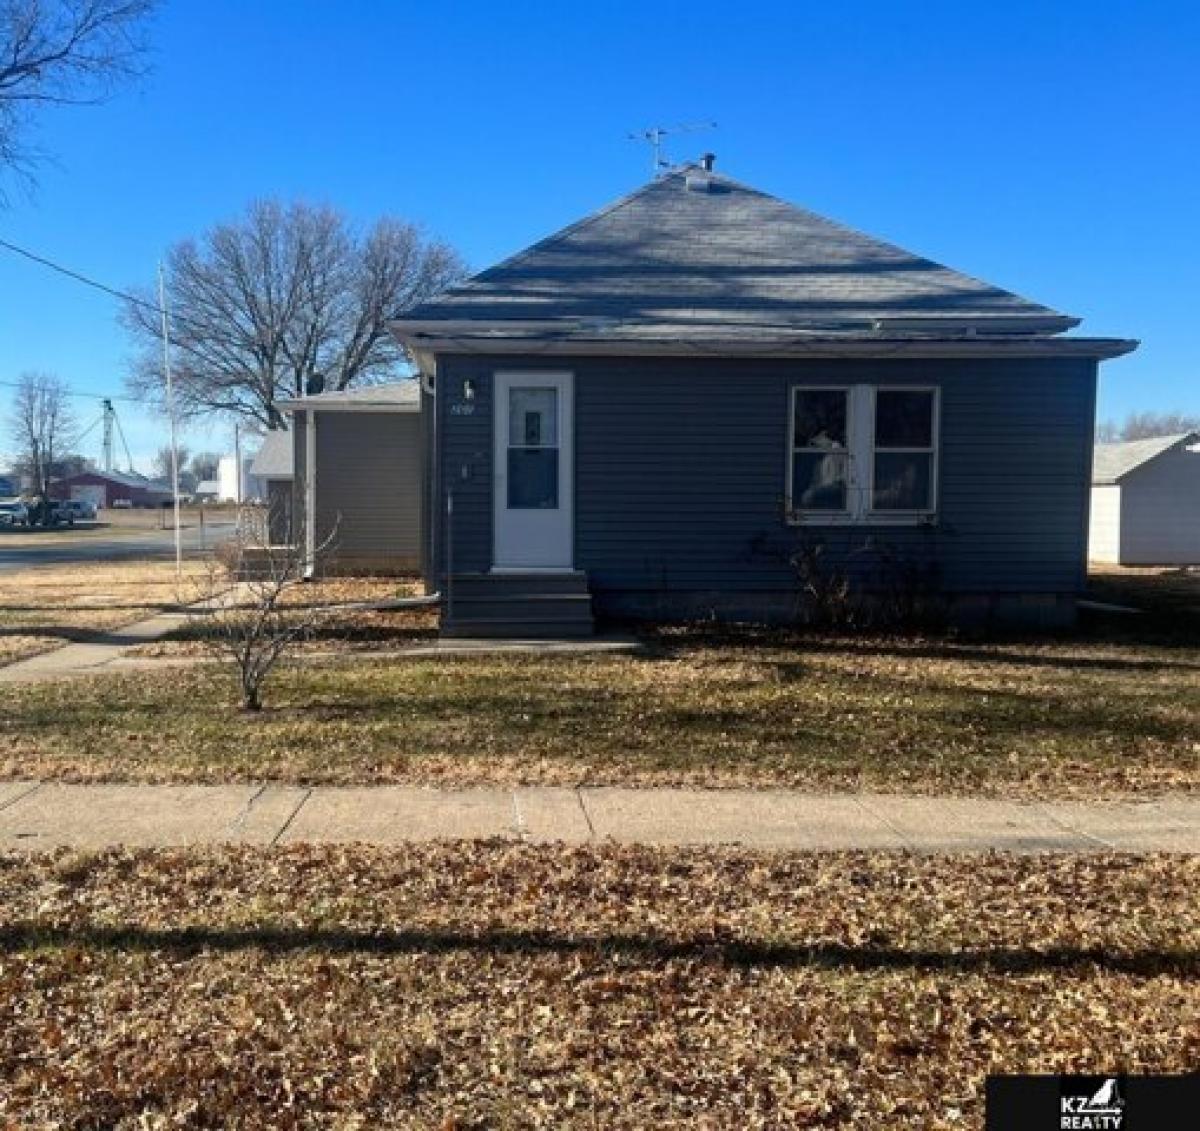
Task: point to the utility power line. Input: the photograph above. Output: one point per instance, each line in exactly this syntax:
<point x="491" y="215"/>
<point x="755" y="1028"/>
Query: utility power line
<point x="87" y="281"/>
<point x="78" y="393"/>
<point x="78" y="276"/>
<point x="95" y="284"/>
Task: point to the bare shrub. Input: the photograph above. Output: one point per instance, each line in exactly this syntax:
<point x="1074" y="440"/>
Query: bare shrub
<point x="869" y="584"/>
<point x="248" y="618"/>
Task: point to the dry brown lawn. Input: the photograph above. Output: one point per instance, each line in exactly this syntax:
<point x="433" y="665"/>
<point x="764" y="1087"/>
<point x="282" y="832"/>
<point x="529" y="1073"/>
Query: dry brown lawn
<point x="343" y="630"/>
<point x="45" y="607"/>
<point x="1113" y="709"/>
<point x="492" y="985"/>
<point x="1006" y="719"/>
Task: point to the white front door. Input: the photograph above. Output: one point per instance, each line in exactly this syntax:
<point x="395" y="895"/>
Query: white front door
<point x="534" y="471"/>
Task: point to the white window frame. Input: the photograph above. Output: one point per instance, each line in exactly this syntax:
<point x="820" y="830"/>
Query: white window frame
<point x="860" y="460"/>
<point x="845" y="514"/>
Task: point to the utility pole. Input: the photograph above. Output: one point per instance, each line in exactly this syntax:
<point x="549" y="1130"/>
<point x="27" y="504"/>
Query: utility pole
<point x="237" y="463"/>
<point x="166" y="344"/>
<point x="106" y="454"/>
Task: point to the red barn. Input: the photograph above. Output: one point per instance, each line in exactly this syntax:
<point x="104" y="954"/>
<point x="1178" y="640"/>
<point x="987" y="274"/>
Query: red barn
<point x="107" y="488"/>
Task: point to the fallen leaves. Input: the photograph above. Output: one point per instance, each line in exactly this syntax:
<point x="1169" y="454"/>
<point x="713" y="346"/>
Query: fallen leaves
<point x="496" y="985"/>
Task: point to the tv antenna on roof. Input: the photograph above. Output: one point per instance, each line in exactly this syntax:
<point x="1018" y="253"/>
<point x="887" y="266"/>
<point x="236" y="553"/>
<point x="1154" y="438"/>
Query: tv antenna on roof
<point x="655" y="134"/>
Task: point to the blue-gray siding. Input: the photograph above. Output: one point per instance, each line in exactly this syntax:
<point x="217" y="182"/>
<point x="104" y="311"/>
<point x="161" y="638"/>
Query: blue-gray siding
<point x="680" y="469"/>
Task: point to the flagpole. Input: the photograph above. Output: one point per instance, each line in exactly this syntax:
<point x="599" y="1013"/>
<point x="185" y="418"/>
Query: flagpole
<point x="166" y="344"/>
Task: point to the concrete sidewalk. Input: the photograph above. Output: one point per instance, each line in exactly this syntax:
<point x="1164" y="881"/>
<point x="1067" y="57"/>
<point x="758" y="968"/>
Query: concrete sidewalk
<point x="35" y="816"/>
<point x="109" y="653"/>
<point x="100" y="653"/>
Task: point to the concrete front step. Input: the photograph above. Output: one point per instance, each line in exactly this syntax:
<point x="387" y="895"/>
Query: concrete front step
<point x="535" y="606"/>
<point x="495" y="584"/>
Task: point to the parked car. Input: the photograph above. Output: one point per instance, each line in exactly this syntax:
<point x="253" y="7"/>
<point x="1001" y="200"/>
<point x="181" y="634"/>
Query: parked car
<point x="82" y="509"/>
<point x="122" y="504"/>
<point x="61" y="513"/>
<point x="14" y="513"/>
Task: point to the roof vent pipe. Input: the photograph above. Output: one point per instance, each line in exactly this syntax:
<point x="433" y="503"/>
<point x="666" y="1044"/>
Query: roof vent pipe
<point x="708" y="161"/>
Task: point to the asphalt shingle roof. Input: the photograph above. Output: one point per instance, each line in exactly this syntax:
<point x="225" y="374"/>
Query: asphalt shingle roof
<point x="394" y="394"/>
<point x="275" y="458"/>
<point x="671" y="260"/>
<point x="122" y="478"/>
<point x="1112" y="462"/>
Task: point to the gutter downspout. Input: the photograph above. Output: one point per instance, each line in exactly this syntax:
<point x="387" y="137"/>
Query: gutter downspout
<point x="428" y="377"/>
<point x="310" y="494"/>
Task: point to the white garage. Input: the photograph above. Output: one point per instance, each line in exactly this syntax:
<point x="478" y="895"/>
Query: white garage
<point x="1146" y="502"/>
<point x="93" y="493"/>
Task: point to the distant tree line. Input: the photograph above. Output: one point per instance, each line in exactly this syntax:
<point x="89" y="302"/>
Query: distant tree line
<point x="1144" y="425"/>
<point x="194" y="467"/>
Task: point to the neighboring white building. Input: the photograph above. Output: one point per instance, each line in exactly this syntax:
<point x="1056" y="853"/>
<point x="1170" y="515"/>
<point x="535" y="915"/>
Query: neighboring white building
<point x="229" y="488"/>
<point x="1146" y="502"/>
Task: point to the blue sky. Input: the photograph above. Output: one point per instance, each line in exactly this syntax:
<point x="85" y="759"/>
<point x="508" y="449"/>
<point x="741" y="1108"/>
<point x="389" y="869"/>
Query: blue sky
<point x="1049" y="148"/>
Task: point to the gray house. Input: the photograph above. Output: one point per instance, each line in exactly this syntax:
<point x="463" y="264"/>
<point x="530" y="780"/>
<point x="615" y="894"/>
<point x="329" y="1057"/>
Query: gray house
<point x="274" y="467"/>
<point x="1146" y="502"/>
<point x="650" y="412"/>
<point x="359" y="478"/>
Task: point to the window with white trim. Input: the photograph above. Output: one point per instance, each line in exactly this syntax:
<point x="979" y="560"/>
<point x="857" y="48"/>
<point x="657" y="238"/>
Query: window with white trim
<point x="862" y="453"/>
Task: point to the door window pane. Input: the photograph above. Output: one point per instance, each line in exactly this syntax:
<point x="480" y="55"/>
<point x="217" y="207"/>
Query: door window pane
<point x="532" y="478"/>
<point x="818" y="481"/>
<point x="903" y="481"/>
<point x="820" y="418"/>
<point x="533" y="418"/>
<point x="903" y="418"/>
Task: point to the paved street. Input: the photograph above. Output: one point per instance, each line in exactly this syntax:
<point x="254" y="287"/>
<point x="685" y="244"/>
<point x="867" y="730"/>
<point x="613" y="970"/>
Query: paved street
<point x="36" y="816"/>
<point x="100" y="545"/>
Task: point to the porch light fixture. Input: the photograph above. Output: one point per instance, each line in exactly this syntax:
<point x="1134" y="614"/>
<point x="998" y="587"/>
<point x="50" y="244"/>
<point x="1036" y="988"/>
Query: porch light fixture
<point x="468" y="390"/>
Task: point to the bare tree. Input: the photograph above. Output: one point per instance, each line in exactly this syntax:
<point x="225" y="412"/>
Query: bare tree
<point x="283" y="302"/>
<point x="62" y="52"/>
<point x="1144" y="425"/>
<point x="161" y="464"/>
<point x="203" y="465"/>
<point x="252" y="620"/>
<point x="69" y="463"/>
<point x="42" y="426"/>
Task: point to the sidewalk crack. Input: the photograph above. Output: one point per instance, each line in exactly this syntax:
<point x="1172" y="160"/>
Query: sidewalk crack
<point x="288" y="823"/>
<point x="519" y="826"/>
<point x="1049" y="816"/>
<point x="882" y="819"/>
<point x="244" y="815"/>
<point x="586" y="815"/>
<point x="21" y="796"/>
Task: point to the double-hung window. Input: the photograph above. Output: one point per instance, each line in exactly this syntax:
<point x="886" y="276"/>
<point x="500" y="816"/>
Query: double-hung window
<point x="862" y="453"/>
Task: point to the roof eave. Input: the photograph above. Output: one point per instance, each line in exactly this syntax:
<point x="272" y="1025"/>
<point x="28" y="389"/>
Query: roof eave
<point x="307" y="404"/>
<point x="874" y="346"/>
